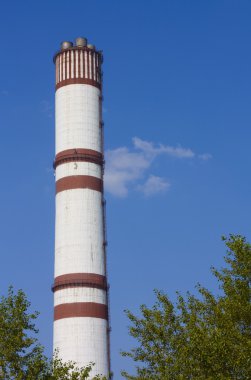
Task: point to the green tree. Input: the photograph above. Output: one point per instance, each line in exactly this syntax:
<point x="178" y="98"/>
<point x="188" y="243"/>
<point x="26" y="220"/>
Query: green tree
<point x="56" y="369"/>
<point x="21" y="355"/>
<point x="199" y="337"/>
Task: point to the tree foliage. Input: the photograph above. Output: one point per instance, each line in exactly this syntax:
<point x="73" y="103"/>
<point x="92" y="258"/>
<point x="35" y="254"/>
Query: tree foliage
<point x="56" y="369"/>
<point x="21" y="355"/>
<point x="199" y="337"/>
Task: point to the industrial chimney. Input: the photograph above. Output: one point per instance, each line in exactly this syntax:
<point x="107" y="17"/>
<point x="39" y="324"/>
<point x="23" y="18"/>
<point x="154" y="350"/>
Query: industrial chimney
<point x="81" y="323"/>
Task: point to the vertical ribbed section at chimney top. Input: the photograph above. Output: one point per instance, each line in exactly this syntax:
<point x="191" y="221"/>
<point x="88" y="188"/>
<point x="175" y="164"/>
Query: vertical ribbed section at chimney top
<point x="78" y="65"/>
<point x="81" y="323"/>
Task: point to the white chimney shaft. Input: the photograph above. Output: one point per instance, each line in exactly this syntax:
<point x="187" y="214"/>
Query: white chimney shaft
<point x="81" y="323"/>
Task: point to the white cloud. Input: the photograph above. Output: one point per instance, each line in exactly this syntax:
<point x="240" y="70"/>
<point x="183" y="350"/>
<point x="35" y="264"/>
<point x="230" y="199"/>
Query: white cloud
<point x="126" y="168"/>
<point x="154" y="185"/>
<point x="149" y="148"/>
<point x="122" y="169"/>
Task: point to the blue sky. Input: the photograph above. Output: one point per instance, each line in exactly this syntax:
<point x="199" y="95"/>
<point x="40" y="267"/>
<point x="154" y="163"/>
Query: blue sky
<point x="177" y="80"/>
